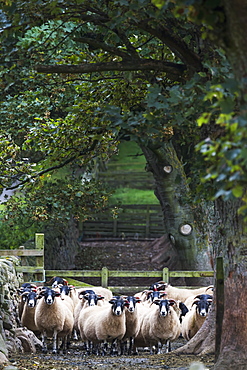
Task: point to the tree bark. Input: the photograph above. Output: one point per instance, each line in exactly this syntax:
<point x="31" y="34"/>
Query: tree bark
<point x="61" y="246"/>
<point x="174" y="70"/>
<point x="231" y="243"/>
<point x="173" y="194"/>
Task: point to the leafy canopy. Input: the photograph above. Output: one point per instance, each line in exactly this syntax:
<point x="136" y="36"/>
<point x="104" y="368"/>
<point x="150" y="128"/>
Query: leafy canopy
<point x="79" y="76"/>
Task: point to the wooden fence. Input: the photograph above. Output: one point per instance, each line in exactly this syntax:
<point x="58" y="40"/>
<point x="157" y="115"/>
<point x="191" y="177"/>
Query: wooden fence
<point x="141" y="180"/>
<point x="134" y="221"/>
<point x="37" y="273"/>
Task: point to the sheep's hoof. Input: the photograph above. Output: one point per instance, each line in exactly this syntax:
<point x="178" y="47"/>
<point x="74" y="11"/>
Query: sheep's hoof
<point x="54" y="351"/>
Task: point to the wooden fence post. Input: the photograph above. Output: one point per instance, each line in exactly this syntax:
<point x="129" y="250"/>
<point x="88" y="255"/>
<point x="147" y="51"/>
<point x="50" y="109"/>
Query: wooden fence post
<point x="39" y="244"/>
<point x="166" y="274"/>
<point x="147" y="228"/>
<point x="219" y="304"/>
<point x="104" y="277"/>
<point x="115" y="227"/>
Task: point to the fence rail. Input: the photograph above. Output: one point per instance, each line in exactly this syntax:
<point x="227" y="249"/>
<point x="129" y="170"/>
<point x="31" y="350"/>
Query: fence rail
<point x="37" y="272"/>
<point x="136" y="221"/>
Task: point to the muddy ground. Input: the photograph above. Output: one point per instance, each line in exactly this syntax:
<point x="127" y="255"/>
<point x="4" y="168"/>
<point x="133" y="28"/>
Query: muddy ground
<point x="77" y="359"/>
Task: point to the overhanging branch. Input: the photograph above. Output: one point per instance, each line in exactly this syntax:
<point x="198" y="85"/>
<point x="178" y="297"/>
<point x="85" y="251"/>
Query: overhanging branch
<point x="172" y="69"/>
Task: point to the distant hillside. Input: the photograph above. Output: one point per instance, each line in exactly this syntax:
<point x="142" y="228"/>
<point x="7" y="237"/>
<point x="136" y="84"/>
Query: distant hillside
<point x="125" y="173"/>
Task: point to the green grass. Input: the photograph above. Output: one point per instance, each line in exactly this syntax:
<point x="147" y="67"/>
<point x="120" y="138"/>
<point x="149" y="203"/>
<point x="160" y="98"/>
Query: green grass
<point x="133" y="196"/>
<point x="130" y="159"/>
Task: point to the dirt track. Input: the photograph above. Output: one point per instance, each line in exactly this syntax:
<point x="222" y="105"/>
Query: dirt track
<point x="77" y="359"/>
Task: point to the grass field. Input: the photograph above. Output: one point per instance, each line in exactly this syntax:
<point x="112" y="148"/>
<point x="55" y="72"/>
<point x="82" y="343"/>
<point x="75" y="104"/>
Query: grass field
<point x="130" y="159"/>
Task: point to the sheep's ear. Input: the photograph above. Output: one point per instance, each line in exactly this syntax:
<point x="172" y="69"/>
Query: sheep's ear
<point x="113" y="300"/>
<point x="162" y="294"/>
<point x="100" y="297"/>
<point x="171" y="302"/>
<point x="156" y="301"/>
<point x="198" y="296"/>
<point x="196" y="302"/>
<point x="138" y="300"/>
<point x="57" y="294"/>
<point x="25" y="293"/>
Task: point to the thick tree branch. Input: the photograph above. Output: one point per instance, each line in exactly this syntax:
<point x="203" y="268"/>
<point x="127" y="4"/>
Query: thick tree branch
<point x="175" y="43"/>
<point x="173" y="70"/>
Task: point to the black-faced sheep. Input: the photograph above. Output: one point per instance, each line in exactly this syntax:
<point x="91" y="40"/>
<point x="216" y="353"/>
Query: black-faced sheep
<point x="53" y="319"/>
<point x="27" y="317"/>
<point x="181" y="294"/>
<point x="196" y="316"/>
<point x="87" y="297"/>
<point x="102" y="324"/>
<point x="159" y="325"/>
<point x="132" y="322"/>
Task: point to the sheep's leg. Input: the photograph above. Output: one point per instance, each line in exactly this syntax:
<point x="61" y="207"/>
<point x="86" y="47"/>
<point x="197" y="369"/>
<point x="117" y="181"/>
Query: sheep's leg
<point x="44" y="340"/>
<point x="135" y="350"/>
<point x="104" y="348"/>
<point x="88" y="346"/>
<point x="95" y="349"/>
<point x="122" y="347"/>
<point x="131" y="342"/>
<point x="169" y="347"/>
<point x="65" y="344"/>
<point x="113" y="350"/>
<point x="75" y="336"/>
<point x="55" y="339"/>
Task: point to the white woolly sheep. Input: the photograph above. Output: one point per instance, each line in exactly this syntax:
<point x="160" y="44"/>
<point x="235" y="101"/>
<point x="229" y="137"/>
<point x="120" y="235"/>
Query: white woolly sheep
<point x="53" y="318"/>
<point x="27" y="317"/>
<point x="195" y="318"/>
<point x="181" y="294"/>
<point x="87" y="297"/>
<point x="158" y="326"/>
<point x="106" y="323"/>
<point x="132" y="322"/>
<point x="25" y="287"/>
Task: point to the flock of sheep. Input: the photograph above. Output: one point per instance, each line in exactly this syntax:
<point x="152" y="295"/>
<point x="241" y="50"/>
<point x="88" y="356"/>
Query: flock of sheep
<point x="112" y="324"/>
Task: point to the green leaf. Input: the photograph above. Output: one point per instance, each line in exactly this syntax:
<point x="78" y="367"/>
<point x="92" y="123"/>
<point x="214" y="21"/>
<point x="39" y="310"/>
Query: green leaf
<point x="237" y="191"/>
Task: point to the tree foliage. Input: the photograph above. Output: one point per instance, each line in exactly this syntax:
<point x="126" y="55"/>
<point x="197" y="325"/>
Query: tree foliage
<point x="141" y="70"/>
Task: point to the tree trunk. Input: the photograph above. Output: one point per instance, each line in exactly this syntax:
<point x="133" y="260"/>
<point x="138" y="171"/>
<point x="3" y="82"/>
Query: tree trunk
<point x="173" y="193"/>
<point x="61" y="247"/>
<point x="231" y="244"/>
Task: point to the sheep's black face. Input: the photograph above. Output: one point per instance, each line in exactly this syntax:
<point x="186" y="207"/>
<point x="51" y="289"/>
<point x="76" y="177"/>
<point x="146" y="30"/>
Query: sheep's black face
<point x="49" y="296"/>
<point x="117" y="306"/>
<point x="203" y="304"/>
<point x="156" y="295"/>
<point x="131" y="303"/>
<point x="164" y="307"/>
<point x="91" y="297"/>
<point x="32" y="299"/>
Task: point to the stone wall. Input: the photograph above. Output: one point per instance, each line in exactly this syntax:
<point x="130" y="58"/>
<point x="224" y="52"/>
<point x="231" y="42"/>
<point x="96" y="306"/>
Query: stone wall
<point x="13" y="337"/>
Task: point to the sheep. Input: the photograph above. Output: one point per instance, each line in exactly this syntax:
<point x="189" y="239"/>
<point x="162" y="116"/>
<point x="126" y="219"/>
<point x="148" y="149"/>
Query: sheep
<point x="53" y="318"/>
<point x="107" y="293"/>
<point x="25" y="287"/>
<point x="56" y="281"/>
<point x="158" y="326"/>
<point x="106" y="323"/>
<point x="86" y="298"/>
<point x="181" y="294"/>
<point x="149" y="295"/>
<point x="132" y="322"/>
<point x="27" y="317"/>
<point x="65" y="296"/>
<point x="195" y="318"/>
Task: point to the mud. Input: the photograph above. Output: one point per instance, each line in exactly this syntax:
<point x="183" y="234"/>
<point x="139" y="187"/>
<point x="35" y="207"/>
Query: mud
<point x="76" y="359"/>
